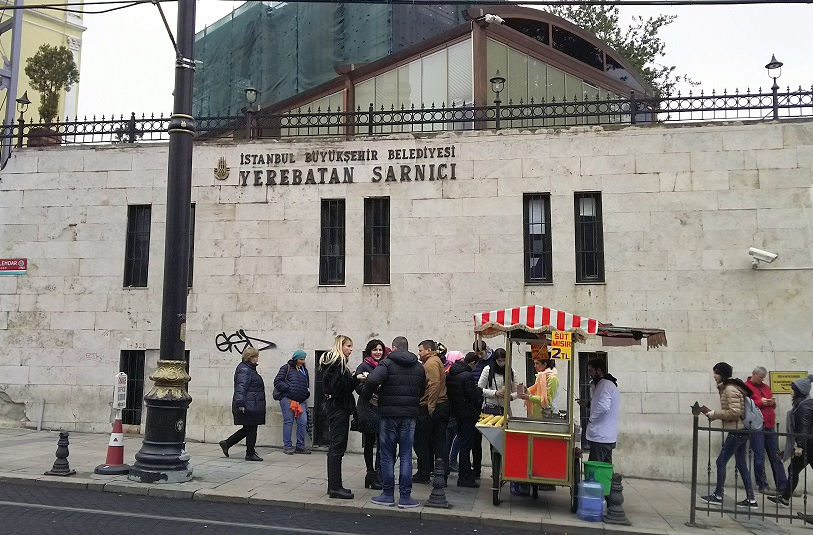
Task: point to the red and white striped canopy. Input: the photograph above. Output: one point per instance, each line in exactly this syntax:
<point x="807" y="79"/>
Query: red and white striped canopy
<point x="533" y="319"/>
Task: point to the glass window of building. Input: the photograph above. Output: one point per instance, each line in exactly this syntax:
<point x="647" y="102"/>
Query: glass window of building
<point x="537" y="238"/>
<point x="137" y="248"/>
<point x="331" y="246"/>
<point x="315" y="118"/>
<point x="377" y="240"/>
<point x="589" y="237"/>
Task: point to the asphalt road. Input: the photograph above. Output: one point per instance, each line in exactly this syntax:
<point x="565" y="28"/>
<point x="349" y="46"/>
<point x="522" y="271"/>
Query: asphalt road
<point x="34" y="509"/>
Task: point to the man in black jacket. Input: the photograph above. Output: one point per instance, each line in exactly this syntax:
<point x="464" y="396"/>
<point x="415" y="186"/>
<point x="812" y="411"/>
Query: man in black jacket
<point x="466" y="399"/>
<point x="402" y="382"/>
<point x="802" y="421"/>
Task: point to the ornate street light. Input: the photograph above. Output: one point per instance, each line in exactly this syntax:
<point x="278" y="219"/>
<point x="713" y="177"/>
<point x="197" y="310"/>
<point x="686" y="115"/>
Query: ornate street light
<point x="775" y="71"/>
<point x="251" y="98"/>
<point x="22" y="107"/>
<point x="497" y="85"/>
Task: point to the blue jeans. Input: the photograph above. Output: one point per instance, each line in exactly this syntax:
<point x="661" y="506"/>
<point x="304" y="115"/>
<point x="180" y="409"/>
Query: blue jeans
<point x="736" y="444"/>
<point x="288" y="423"/>
<point x="766" y="441"/>
<point x="400" y="432"/>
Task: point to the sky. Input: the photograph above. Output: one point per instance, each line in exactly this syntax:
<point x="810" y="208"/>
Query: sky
<point x="127" y="62"/>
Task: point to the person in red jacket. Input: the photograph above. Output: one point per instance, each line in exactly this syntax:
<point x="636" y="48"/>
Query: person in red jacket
<point x="765" y="441"/>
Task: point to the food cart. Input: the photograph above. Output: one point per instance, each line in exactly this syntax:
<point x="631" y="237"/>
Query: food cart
<point x="540" y="444"/>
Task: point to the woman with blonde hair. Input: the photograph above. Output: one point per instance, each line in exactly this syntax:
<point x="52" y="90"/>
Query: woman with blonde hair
<point x="338" y="384"/>
<point x="248" y="404"/>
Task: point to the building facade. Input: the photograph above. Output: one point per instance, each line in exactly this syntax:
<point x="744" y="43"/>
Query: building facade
<point x="44" y="26"/>
<point x="296" y="241"/>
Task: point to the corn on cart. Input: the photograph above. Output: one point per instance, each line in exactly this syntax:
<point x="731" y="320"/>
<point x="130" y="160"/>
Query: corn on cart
<point x="536" y="439"/>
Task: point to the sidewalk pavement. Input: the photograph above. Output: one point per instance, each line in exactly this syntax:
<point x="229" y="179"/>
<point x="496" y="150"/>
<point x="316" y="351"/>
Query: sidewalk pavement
<point x="656" y="507"/>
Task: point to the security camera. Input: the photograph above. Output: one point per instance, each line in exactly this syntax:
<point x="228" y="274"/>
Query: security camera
<point x="761" y="256"/>
<point x="493" y="19"/>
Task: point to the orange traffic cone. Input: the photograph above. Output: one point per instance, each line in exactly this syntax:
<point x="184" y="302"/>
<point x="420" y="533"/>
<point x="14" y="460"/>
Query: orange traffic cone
<point x="114" y="464"/>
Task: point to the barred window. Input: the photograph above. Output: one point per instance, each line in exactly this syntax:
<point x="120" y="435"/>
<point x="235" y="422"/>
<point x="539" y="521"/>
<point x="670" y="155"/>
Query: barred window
<point x="589" y="238"/>
<point x="377" y="240"/>
<point x="536" y="223"/>
<point x="137" y="250"/>
<point x="132" y="363"/>
<point x="331" y="245"/>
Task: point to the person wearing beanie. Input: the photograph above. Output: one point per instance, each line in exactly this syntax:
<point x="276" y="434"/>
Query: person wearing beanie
<point x="800" y="420"/>
<point x="732" y="407"/>
<point x="291" y="387"/>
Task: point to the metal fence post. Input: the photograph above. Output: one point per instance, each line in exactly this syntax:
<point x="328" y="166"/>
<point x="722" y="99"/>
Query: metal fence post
<point x="693" y="498"/>
<point x="131" y="128"/>
<point x="21" y="124"/>
<point x="370" y="119"/>
<point x="633" y="108"/>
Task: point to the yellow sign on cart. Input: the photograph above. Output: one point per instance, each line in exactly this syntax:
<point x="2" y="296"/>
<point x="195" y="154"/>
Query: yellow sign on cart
<point x="561" y="345"/>
<point x="780" y="381"/>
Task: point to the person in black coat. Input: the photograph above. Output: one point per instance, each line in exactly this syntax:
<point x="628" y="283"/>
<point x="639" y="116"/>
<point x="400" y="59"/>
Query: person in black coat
<point x="466" y="399"/>
<point x="338" y="384"/>
<point x="367" y="414"/>
<point x="248" y="404"/>
<point x="292" y="384"/>
<point x="402" y="383"/>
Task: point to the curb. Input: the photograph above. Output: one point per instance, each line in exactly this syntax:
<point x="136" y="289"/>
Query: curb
<point x="211" y="495"/>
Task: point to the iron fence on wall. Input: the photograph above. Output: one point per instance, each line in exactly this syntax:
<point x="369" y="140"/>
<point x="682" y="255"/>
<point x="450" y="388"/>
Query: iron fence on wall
<point x="305" y="122"/>
<point x="798" y="510"/>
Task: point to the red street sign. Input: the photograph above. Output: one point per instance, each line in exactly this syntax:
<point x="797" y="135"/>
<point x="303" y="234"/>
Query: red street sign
<point x="13" y="266"/>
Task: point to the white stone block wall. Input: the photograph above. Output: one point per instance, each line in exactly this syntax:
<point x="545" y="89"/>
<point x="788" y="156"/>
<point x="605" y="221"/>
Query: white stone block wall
<point x="681" y="206"/>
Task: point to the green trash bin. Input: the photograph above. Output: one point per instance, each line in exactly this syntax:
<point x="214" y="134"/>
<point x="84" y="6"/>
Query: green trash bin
<point x="601" y="472"/>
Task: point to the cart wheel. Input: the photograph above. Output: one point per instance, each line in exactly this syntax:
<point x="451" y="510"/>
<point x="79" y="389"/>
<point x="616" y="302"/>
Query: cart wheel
<point x="496" y="483"/>
<point x="574" y="490"/>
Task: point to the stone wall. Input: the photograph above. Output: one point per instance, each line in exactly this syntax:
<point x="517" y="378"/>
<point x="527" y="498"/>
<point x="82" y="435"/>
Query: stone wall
<point x="681" y="207"/>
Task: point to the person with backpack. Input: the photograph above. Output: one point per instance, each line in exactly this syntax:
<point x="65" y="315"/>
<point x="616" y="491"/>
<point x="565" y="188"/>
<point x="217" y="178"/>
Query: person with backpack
<point x="765" y="441"/>
<point x="800" y="441"/>
<point x="733" y="396"/>
<point x="291" y="389"/>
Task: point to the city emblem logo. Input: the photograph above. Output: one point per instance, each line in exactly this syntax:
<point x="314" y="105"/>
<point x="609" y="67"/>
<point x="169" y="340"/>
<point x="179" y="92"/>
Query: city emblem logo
<point x="222" y="170"/>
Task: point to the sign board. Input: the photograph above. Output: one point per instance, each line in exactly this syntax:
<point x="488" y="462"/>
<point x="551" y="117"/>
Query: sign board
<point x="780" y="381"/>
<point x="561" y="345"/>
<point x="120" y="391"/>
<point x="13" y="266"/>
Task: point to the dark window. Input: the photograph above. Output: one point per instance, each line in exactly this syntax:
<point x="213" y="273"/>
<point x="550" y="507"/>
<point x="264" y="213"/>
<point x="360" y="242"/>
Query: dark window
<point x="331" y="246"/>
<point x="535" y="29"/>
<point x="577" y="47"/>
<point x="584" y="390"/>
<point x="191" y="246"/>
<point x="536" y="218"/>
<point x="589" y="238"/>
<point x="132" y="363"/>
<point x="377" y="240"/>
<point x="137" y="250"/>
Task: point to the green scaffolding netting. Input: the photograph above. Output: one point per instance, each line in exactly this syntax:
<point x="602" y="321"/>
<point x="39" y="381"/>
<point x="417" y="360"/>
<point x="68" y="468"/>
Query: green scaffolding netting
<point x="284" y="49"/>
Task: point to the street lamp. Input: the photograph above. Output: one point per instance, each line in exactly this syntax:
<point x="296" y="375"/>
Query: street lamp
<point x="22" y="107"/>
<point x="775" y="71"/>
<point x="251" y="98"/>
<point x="497" y="85"/>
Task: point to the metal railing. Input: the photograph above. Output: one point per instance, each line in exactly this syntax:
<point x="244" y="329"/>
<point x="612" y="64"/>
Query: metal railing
<point x="797" y="509"/>
<point x="752" y="106"/>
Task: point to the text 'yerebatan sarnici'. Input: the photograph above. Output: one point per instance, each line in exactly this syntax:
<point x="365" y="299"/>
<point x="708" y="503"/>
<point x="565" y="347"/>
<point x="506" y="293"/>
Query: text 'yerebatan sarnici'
<point x="427" y="163"/>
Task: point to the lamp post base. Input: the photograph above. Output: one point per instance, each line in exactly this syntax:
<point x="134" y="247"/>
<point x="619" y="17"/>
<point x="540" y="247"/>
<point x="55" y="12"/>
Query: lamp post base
<point x="163" y="457"/>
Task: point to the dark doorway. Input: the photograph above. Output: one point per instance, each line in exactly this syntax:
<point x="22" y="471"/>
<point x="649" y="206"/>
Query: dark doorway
<point x="584" y="390"/>
<point x="320" y="436"/>
<point x="131" y="362"/>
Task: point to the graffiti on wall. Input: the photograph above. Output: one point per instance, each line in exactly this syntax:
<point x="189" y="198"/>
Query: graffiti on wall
<point x="239" y="341"/>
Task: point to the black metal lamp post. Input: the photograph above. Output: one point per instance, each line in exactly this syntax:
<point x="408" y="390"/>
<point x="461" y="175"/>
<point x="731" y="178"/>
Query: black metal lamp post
<point x="775" y="71"/>
<point x="22" y="107"/>
<point x="251" y="98"/>
<point x="497" y="85"/>
<point x="163" y="457"/>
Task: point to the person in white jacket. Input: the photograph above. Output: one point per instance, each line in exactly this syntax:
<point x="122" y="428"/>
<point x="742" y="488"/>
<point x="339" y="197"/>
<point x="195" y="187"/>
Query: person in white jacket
<point x="492" y="381"/>
<point x="605" y="402"/>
